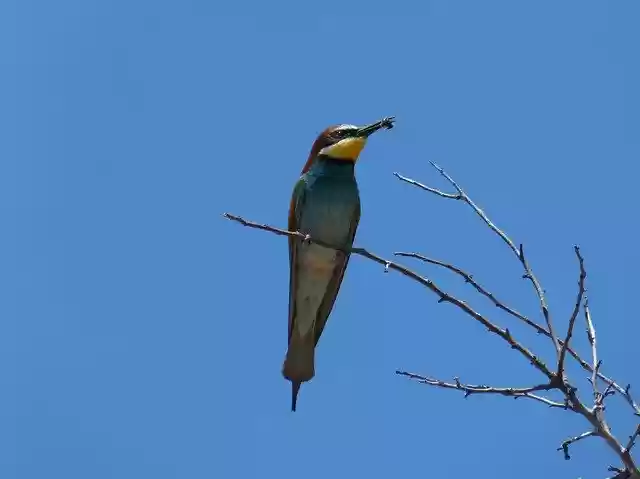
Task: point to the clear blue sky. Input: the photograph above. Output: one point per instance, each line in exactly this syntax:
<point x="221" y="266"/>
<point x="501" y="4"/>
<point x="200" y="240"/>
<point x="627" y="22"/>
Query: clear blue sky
<point x="142" y="335"/>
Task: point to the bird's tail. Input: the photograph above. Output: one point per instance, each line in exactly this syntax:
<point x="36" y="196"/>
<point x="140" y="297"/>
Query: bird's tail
<point x="299" y="363"/>
<point x="295" y="388"/>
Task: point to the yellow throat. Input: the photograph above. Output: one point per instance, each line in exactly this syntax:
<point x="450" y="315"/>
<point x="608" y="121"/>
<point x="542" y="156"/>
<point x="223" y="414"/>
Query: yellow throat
<point x="348" y="149"/>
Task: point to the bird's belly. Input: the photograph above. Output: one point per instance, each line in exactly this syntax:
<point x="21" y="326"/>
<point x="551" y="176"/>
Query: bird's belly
<point x="317" y="267"/>
<point x="330" y="209"/>
<point x="318" y="261"/>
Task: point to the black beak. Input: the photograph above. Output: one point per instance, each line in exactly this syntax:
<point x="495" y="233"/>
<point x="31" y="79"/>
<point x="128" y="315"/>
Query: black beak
<point x="387" y="123"/>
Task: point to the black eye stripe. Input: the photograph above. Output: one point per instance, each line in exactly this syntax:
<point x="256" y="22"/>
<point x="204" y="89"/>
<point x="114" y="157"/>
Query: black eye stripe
<point x="343" y="133"/>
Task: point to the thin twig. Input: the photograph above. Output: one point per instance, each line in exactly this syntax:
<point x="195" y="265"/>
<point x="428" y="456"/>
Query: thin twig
<point x="461" y="195"/>
<point x="428" y="188"/>
<point x="519" y="252"/>
<point x="470" y="389"/>
<point x="574" y="315"/>
<point x="544" y="400"/>
<point x="632" y="439"/>
<point x="505" y="334"/>
<point x="564" y="447"/>
<point x="541" y="298"/>
<point x="591" y="336"/>
<point x="469" y="278"/>
<point x="611" y="384"/>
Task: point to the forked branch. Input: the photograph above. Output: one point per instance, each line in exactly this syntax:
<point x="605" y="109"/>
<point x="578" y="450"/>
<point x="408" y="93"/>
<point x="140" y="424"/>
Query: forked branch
<point x="470" y="279"/>
<point x="564" y="447"/>
<point x="470" y="389"/>
<point x="574" y="315"/>
<point x="519" y="252"/>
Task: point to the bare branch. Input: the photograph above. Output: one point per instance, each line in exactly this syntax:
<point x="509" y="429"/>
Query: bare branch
<point x="505" y="334"/>
<point x="601" y="428"/>
<point x="611" y="384"/>
<point x="574" y="315"/>
<point x="564" y="447"/>
<point x="543" y="302"/>
<point x="591" y="335"/>
<point x="632" y="439"/>
<point x="428" y="188"/>
<point x="470" y="389"/>
<point x="519" y="252"/>
<point x="545" y="400"/>
<point x="461" y="195"/>
<point x="622" y="473"/>
<point x="468" y="278"/>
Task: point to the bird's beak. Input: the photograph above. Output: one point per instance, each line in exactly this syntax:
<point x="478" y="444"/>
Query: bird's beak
<point x="368" y="130"/>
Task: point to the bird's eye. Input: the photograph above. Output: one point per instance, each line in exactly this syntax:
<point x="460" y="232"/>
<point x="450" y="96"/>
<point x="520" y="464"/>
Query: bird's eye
<point x="341" y="133"/>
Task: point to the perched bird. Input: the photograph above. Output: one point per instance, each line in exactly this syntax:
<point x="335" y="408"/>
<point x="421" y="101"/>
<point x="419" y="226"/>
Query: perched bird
<point x="326" y="207"/>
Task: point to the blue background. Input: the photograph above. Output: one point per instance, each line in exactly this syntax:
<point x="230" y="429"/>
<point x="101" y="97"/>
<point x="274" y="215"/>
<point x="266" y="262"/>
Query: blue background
<point x="142" y="334"/>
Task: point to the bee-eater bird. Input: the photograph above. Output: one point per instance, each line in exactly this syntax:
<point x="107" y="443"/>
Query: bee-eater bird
<point x="326" y="207"/>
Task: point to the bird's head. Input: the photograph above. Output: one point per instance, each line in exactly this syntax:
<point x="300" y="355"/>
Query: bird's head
<point x="344" y="142"/>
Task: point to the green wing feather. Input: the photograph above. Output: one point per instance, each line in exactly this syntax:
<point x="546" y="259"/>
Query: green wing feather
<point x="297" y="200"/>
